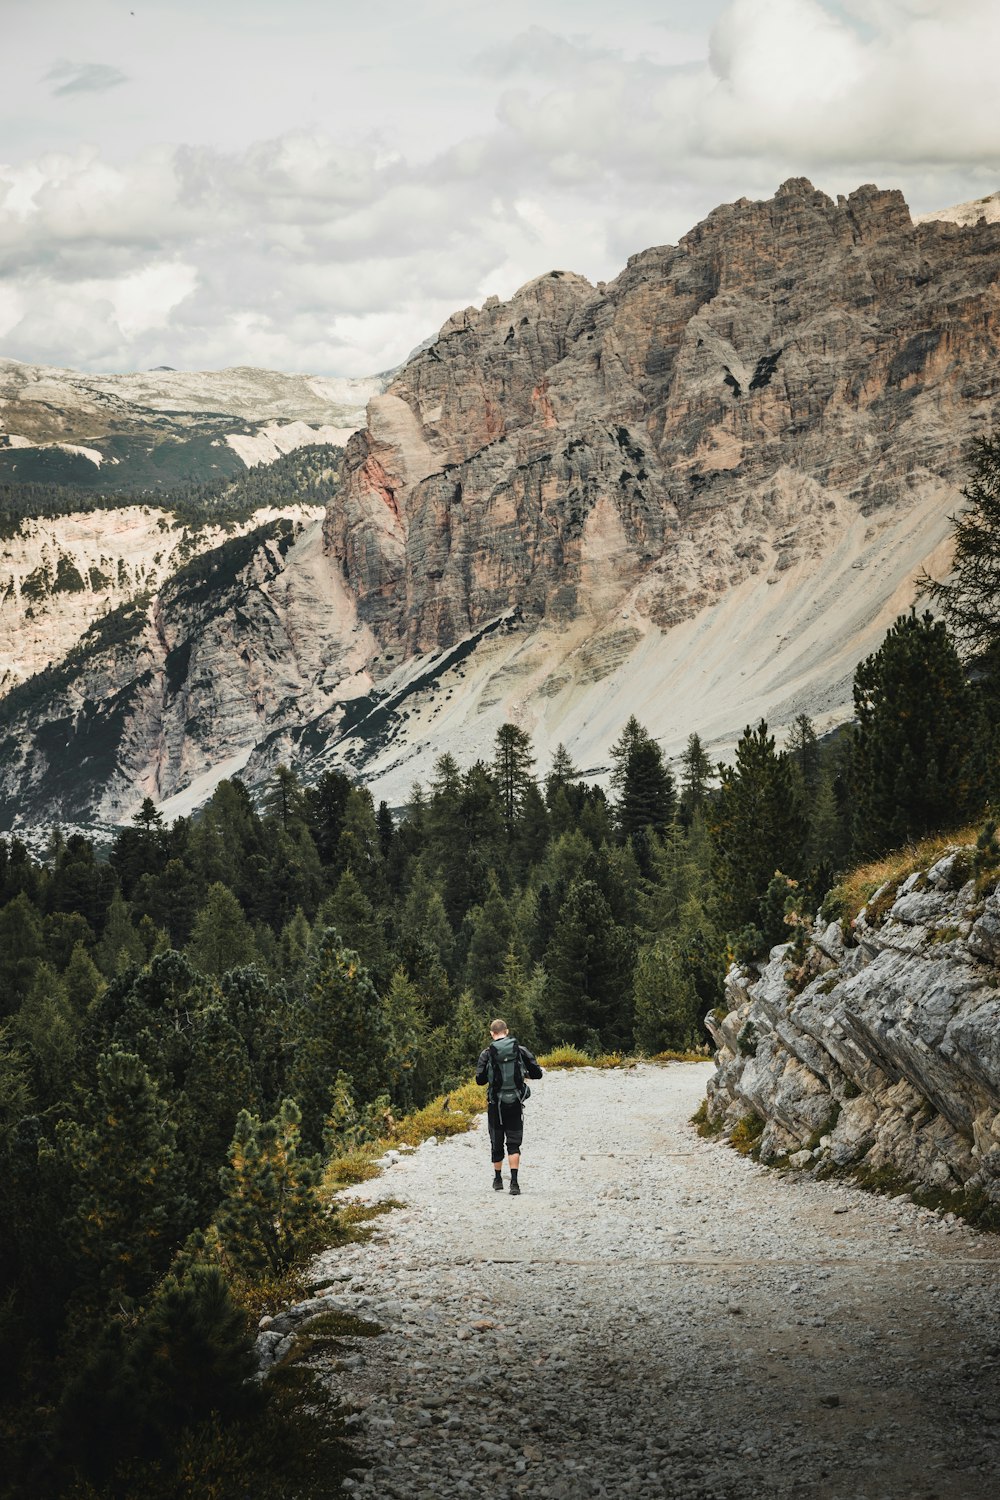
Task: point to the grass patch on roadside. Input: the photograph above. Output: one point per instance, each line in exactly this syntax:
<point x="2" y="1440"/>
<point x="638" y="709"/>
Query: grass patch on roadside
<point x="706" y="1127"/>
<point x="970" y="1204"/>
<point x="448" y="1114"/>
<point x="745" y="1135"/>
<point x="566" y="1056"/>
<point x="690" y="1055"/>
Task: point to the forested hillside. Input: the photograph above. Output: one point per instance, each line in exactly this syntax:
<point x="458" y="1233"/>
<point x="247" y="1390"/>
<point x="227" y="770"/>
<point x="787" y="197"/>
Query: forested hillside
<point x="306" y="476"/>
<point x="194" y="1025"/>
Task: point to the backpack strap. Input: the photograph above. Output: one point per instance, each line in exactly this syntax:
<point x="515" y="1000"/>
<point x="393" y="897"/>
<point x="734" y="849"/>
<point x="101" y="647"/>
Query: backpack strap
<point x="496" y="1075"/>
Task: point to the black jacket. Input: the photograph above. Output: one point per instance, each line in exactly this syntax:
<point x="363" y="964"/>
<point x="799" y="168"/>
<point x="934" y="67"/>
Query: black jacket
<point x="528" y="1064"/>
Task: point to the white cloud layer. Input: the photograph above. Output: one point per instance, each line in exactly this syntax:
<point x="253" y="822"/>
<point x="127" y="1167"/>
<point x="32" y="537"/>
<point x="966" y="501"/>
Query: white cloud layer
<point x="461" y="161"/>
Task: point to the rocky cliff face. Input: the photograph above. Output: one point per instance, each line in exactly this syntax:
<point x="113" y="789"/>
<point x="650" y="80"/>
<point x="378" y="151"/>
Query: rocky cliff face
<point x="699" y="493"/>
<point x="726" y="408"/>
<point x="889" y="1057"/>
<point x="61" y="573"/>
<point x="163" y="696"/>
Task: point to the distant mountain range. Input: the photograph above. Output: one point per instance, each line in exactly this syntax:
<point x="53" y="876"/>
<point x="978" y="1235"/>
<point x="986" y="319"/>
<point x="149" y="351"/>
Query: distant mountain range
<point x="699" y="493"/>
<point x="156" y="429"/>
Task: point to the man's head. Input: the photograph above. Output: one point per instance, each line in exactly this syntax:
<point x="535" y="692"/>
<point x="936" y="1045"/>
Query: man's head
<point x="498" y="1029"/>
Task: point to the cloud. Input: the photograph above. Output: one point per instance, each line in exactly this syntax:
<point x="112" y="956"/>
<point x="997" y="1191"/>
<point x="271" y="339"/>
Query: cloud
<point x="84" y="78"/>
<point x="322" y="251"/>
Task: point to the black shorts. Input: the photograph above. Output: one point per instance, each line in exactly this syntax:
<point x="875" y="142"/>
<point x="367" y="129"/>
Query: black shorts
<point x="505" y="1120"/>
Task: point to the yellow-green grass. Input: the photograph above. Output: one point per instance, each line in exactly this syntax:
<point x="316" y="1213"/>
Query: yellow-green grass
<point x="448" y="1114"/>
<point x="859" y="885"/>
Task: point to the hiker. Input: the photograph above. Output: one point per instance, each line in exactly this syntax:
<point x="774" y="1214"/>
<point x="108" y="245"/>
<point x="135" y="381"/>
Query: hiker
<point x="502" y="1067"/>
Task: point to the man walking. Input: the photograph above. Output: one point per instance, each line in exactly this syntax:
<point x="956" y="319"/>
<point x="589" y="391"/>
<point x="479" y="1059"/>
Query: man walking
<point x="502" y="1067"/>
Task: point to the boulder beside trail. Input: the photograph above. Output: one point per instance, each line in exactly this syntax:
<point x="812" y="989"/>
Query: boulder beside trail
<point x="882" y="1049"/>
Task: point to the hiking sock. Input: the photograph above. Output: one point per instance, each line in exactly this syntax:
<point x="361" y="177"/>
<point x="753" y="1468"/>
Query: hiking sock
<point x="513" y="1181"/>
<point x="498" y="1182"/>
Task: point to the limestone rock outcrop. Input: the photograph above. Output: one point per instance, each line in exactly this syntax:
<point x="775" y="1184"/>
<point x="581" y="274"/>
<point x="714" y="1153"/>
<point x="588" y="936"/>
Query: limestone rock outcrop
<point x="889" y="1057"/>
<point x="166" y="695"/>
<point x="727" y="407"/>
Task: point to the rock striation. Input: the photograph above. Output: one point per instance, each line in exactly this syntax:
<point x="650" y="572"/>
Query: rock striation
<point x="889" y="1056"/>
<point x="60" y="574"/>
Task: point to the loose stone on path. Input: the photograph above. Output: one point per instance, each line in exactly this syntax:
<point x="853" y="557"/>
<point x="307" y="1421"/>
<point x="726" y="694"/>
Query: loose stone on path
<point x="669" y="1320"/>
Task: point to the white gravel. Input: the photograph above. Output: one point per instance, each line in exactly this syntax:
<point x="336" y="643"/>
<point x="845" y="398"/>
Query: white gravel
<point x="658" y="1316"/>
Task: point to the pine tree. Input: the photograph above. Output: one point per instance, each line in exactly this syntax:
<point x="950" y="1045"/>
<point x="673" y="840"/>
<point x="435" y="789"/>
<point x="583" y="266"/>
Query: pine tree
<point x="627" y="742"/>
<point x="21" y="950"/>
<point x="515" y="999"/>
<point x="756" y="826"/>
<point x="512" y="765"/>
<point x="971" y="598"/>
<point x="646" y="796"/>
<point x="128" y="1210"/>
<point x="360" y="926"/>
<point x="46" y="1028"/>
<point x="170" y="899"/>
<point x="120" y="945"/>
<point x="918" y="723"/>
<point x="270" y="1214"/>
<point x="193" y="1352"/>
<point x="386" y="829"/>
<point x="296" y="936"/>
<point x="666" y="1001"/>
<point x="803" y="747"/>
<point x="325" y="810"/>
<point x="696" y="772"/>
<point x="221" y="937"/>
<point x="406" y="1027"/>
<point x="337" y="1023"/>
<point x="467" y="1034"/>
<point x="561" y="774"/>
<point x="492" y="933"/>
<point x="283" y="800"/>
<point x="216" y="1083"/>
<point x="589" y="963"/>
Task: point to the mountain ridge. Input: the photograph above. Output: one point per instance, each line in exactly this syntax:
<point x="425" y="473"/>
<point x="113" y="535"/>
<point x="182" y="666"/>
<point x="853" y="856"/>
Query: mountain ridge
<point x="699" y="493"/>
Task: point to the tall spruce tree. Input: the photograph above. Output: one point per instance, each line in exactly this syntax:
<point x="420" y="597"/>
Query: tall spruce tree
<point x="970" y="598"/>
<point x="589" y="963"/>
<point x="513" y="760"/>
<point x="919" y="728"/>
<point x="646" y="800"/>
<point x="336" y="1024"/>
<point x="696" y="773"/>
<point x="756" y="827"/>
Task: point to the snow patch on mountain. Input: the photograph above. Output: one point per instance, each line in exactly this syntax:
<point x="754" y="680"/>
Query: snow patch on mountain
<point x="92" y="454"/>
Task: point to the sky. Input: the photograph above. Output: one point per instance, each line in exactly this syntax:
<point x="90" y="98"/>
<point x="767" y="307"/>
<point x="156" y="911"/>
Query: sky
<point x="316" y="186"/>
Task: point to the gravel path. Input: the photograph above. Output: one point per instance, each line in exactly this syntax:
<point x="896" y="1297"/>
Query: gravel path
<point x="658" y="1316"/>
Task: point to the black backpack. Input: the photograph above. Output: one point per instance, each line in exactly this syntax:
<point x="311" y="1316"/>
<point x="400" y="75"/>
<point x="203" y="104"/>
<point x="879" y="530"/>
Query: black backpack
<point x="507" y="1084"/>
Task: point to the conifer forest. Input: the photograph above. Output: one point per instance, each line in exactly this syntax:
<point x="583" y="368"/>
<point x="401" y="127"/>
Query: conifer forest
<point x="200" y="1018"/>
